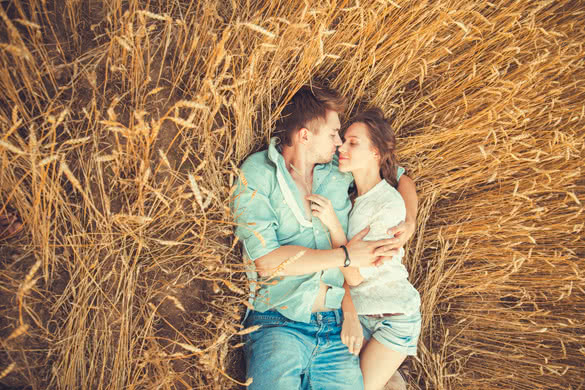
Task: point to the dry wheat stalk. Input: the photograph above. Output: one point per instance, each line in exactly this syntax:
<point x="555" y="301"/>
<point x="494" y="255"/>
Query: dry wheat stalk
<point x="145" y="107"/>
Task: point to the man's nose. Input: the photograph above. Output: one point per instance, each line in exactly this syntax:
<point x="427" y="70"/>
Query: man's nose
<point x="338" y="141"/>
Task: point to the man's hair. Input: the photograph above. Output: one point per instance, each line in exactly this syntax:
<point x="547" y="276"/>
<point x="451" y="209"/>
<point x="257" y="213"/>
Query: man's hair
<point x="382" y="138"/>
<point x="307" y="108"/>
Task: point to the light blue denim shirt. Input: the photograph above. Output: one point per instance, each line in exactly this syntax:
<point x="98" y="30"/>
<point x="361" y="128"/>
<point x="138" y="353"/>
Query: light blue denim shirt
<point x="269" y="213"/>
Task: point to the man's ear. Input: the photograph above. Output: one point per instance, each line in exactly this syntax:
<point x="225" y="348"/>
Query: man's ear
<point x="304" y="135"/>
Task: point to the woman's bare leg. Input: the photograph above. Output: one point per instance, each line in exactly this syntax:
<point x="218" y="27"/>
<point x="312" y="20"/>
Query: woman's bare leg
<point x="378" y="363"/>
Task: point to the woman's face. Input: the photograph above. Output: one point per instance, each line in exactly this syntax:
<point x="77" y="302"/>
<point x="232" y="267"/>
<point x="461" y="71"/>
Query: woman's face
<point x="357" y="151"/>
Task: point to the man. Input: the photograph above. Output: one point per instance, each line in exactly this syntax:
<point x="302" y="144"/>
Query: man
<point x="296" y="279"/>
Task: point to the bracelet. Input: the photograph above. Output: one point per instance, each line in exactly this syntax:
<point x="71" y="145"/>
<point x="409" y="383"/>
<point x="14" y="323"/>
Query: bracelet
<point x="347" y="261"/>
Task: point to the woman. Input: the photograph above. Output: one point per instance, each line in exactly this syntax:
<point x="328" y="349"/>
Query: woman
<point x="387" y="304"/>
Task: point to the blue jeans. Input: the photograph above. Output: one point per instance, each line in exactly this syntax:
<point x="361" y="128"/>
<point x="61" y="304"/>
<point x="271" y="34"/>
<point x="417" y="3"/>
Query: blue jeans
<point x="289" y="355"/>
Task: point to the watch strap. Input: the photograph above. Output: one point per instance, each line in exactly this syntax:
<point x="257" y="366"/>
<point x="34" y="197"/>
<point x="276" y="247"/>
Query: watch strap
<point x="347" y="260"/>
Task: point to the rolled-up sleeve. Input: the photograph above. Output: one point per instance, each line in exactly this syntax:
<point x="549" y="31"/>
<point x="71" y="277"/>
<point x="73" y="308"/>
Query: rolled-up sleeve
<point x="399" y="172"/>
<point x="256" y="220"/>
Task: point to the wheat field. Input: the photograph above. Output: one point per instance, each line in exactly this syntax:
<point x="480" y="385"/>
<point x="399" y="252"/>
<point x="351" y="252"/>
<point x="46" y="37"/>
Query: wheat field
<point x="122" y="126"/>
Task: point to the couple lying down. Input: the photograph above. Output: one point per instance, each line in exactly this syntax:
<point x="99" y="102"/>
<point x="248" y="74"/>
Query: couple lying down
<point x="323" y="237"/>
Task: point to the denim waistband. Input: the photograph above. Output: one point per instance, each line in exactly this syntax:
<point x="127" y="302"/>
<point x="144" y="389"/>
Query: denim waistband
<point x="332" y="317"/>
<point x="327" y="317"/>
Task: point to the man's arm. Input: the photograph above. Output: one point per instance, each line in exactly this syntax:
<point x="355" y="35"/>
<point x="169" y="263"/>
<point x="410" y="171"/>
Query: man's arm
<point x="352" y="274"/>
<point x="407" y="189"/>
<point x="297" y="260"/>
<point x="404" y="231"/>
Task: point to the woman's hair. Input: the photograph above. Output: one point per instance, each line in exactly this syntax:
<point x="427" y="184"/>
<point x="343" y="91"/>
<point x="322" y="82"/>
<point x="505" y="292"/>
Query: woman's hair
<point x="307" y="108"/>
<point x="383" y="139"/>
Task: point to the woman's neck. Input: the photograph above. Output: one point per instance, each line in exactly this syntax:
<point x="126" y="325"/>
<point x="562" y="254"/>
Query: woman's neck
<point x="366" y="179"/>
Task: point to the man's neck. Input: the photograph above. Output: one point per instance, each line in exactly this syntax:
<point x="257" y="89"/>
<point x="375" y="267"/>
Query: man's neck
<point x="298" y="163"/>
<point x="366" y="179"/>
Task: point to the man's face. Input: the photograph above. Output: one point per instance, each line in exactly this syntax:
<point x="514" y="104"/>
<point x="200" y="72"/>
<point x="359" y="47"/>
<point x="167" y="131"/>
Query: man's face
<point x="325" y="140"/>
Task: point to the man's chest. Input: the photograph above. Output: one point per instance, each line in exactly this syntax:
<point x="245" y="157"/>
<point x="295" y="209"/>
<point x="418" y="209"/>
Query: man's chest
<point x="296" y="225"/>
<point x="303" y="188"/>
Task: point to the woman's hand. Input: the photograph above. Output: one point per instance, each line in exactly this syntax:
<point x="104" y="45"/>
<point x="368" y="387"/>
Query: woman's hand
<point x="322" y="208"/>
<point x="351" y="333"/>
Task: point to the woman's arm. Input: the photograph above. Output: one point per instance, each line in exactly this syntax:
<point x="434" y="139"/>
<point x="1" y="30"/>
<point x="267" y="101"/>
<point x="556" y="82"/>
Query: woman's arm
<point x="351" y="330"/>
<point x="323" y="209"/>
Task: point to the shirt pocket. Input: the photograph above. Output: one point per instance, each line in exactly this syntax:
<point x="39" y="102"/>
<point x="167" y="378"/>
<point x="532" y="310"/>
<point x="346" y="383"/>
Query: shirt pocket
<point x="337" y="194"/>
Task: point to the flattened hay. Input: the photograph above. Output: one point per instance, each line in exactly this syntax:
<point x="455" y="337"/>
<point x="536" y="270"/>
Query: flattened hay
<point x="122" y="126"/>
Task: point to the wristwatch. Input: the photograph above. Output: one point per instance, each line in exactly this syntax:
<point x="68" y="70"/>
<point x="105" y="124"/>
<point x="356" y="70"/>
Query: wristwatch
<point x="347" y="261"/>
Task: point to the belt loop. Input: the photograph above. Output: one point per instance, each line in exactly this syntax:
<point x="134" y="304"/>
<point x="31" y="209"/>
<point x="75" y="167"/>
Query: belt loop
<point x="338" y="316"/>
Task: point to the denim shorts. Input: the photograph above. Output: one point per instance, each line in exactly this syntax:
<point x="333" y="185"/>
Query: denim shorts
<point x="290" y="355"/>
<point x="399" y="332"/>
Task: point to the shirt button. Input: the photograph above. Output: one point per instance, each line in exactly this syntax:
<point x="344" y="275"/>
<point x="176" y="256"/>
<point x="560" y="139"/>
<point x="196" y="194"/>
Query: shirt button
<point x="319" y="317"/>
<point x="317" y="232"/>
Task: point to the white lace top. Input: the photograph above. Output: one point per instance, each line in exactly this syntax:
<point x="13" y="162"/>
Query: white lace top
<point x="385" y="289"/>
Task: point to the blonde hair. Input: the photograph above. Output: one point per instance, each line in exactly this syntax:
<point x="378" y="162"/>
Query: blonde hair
<point x="307" y="108"/>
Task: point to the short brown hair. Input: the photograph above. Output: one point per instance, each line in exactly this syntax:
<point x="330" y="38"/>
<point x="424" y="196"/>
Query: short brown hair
<point x="383" y="139"/>
<point x="307" y="108"/>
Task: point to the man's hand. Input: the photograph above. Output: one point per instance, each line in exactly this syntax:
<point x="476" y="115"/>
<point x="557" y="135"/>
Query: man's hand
<point x="402" y="233"/>
<point x="351" y="333"/>
<point x="366" y="253"/>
